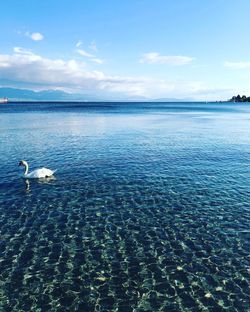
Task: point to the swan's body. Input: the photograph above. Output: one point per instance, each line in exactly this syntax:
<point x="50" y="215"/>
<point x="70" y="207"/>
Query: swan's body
<point x="35" y="174"/>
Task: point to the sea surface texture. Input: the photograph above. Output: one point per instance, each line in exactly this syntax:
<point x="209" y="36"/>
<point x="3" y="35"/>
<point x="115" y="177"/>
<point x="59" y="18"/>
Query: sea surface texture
<point x="149" y="209"/>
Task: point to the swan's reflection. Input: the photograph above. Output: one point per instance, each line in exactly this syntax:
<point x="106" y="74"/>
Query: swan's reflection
<point x="28" y="183"/>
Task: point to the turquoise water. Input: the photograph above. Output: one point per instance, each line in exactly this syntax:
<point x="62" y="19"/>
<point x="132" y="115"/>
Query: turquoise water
<point x="148" y="211"/>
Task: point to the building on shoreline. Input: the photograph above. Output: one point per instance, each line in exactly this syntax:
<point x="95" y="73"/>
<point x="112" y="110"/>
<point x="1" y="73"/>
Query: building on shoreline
<point x="3" y="100"/>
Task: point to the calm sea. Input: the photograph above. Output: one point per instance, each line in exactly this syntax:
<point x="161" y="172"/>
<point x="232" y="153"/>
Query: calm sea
<point x="149" y="209"/>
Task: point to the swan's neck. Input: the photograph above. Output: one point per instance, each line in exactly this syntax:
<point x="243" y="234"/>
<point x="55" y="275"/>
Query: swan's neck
<point x="26" y="168"/>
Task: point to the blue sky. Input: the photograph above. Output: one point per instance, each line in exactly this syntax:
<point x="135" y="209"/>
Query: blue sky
<point x="134" y="48"/>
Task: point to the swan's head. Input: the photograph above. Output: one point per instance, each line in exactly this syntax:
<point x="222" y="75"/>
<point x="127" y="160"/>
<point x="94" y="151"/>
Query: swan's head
<point x="23" y="163"/>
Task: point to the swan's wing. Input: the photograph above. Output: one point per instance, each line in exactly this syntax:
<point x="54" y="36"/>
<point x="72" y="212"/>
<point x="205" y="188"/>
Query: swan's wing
<point x="46" y="172"/>
<point x="40" y="173"/>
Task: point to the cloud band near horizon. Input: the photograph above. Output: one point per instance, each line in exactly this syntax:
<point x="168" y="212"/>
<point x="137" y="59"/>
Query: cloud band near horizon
<point x="72" y="75"/>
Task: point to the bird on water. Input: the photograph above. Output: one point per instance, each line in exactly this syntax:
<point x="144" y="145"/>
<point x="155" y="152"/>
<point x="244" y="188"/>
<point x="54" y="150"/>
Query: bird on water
<point x="36" y="174"/>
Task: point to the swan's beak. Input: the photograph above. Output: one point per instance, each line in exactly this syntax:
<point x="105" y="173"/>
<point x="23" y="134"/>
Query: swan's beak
<point x="20" y="163"/>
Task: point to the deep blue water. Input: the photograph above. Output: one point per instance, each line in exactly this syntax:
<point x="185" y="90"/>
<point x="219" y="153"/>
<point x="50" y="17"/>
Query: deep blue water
<point x="148" y="211"/>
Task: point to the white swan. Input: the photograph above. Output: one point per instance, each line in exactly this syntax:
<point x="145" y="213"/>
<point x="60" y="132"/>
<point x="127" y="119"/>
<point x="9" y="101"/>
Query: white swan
<point x="36" y="174"/>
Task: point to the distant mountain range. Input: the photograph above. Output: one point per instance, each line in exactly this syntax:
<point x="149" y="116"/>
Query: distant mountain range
<point x="173" y="100"/>
<point x="15" y="94"/>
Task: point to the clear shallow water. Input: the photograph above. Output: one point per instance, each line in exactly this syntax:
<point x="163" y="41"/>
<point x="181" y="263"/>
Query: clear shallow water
<point x="149" y="210"/>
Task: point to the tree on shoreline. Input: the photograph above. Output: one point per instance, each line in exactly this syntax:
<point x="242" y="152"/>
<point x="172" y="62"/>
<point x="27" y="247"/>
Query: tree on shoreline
<point x="239" y="98"/>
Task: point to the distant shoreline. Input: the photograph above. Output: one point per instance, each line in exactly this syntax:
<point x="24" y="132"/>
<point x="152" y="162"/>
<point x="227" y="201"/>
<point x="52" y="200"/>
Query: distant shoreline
<point x="125" y="102"/>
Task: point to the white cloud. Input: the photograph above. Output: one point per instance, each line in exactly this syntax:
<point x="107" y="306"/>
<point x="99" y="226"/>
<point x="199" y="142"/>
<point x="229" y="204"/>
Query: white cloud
<point x="78" y="44"/>
<point x="84" y="53"/>
<point x="237" y="65"/>
<point x="22" y="51"/>
<point x="97" y="60"/>
<point x="36" y="36"/>
<point x="156" y="58"/>
<point x="90" y="56"/>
